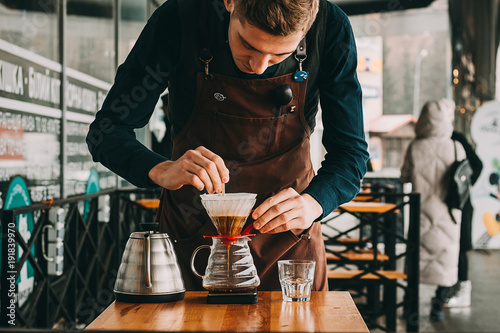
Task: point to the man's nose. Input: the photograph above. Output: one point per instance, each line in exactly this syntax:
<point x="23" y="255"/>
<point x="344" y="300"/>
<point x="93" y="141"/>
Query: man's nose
<point x="259" y="63"/>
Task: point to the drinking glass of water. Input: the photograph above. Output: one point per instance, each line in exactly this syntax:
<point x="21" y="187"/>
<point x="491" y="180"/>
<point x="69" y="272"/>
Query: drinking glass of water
<point x="296" y="279"/>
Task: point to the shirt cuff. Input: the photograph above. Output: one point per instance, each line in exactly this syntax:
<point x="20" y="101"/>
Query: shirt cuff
<point x="324" y="195"/>
<point x="141" y="167"/>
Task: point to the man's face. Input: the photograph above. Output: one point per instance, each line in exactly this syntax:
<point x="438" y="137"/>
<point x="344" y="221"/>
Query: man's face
<point x="253" y="49"/>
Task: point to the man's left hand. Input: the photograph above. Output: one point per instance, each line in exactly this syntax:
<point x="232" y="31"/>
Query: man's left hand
<point x="287" y="210"/>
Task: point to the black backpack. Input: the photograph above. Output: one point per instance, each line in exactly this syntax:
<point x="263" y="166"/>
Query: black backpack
<point x="459" y="183"/>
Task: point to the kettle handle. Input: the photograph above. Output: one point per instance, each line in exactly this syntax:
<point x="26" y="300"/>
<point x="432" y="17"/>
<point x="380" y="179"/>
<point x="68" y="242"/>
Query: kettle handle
<point x="147" y="261"/>
<point x="192" y="259"/>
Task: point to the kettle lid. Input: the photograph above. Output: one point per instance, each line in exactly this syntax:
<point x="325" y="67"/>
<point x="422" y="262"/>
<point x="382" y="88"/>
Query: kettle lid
<point x="150" y="230"/>
<point x="142" y="235"/>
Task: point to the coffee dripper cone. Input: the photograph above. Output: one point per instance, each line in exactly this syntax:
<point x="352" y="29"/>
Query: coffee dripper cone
<point x="229" y="212"/>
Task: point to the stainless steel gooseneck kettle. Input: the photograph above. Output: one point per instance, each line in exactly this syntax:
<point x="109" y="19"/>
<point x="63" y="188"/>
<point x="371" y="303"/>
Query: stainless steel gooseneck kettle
<point x="149" y="271"/>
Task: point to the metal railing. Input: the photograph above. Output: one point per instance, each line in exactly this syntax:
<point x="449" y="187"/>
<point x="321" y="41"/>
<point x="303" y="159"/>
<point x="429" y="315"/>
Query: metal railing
<point x="382" y="229"/>
<point x="67" y="267"/>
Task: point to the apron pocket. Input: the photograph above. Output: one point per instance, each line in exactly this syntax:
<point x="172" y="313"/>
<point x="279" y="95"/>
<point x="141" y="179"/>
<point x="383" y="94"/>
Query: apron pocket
<point x="246" y="139"/>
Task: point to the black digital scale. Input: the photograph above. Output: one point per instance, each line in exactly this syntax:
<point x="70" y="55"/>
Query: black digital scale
<point x="218" y="297"/>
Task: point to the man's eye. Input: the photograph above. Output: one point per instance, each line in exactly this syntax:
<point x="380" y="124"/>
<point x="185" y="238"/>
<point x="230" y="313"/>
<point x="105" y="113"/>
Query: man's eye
<point x="281" y="57"/>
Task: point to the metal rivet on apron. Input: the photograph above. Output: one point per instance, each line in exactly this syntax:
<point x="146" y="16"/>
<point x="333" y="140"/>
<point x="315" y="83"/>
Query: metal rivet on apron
<point x="292" y="109"/>
<point x="219" y="97"/>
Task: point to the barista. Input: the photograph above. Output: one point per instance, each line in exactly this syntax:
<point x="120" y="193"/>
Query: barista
<point x="244" y="81"/>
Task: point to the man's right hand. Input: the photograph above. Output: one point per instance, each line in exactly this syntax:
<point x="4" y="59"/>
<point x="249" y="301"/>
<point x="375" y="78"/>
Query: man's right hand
<point x="199" y="167"/>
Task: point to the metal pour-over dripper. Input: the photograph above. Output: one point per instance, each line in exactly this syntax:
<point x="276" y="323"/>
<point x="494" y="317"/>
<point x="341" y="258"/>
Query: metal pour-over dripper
<point x="229" y="212"/>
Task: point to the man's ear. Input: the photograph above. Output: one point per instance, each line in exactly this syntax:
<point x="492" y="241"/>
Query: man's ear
<point x="229" y="5"/>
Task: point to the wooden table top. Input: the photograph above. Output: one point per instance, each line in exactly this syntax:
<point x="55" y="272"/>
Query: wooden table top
<point x="332" y="311"/>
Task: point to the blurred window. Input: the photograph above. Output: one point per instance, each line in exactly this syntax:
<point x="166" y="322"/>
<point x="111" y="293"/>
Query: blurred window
<point x="90" y="37"/>
<point x="32" y="25"/>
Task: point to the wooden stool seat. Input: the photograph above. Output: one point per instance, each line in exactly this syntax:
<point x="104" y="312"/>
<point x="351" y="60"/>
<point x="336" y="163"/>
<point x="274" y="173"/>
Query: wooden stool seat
<point x="344" y="274"/>
<point x="149" y="203"/>
<point x="346" y="240"/>
<point x="357" y="255"/>
<point x="367" y="207"/>
<point x="364" y="198"/>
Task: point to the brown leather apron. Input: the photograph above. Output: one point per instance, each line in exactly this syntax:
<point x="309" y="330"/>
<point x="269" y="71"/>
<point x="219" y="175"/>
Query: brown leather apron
<point x="266" y="148"/>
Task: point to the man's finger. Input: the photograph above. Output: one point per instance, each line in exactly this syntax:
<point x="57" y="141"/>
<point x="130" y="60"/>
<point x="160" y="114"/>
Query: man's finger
<point x="215" y="167"/>
<point x="208" y="173"/>
<point x="196" y="182"/>
<point x="219" y="162"/>
<point x="295" y="223"/>
<point x="200" y="164"/>
<point x="201" y="173"/>
<point x="283" y="221"/>
<point x="277" y="214"/>
<point x="270" y="202"/>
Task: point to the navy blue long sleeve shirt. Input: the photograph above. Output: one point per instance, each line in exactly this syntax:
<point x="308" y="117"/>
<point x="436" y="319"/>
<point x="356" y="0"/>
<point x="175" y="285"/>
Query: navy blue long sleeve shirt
<point x="154" y="57"/>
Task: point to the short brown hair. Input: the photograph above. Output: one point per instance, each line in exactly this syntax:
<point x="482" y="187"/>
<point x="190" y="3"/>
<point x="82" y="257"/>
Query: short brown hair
<point x="277" y="17"/>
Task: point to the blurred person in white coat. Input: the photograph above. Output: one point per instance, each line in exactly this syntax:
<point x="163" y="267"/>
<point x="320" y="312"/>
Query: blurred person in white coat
<point x="427" y="160"/>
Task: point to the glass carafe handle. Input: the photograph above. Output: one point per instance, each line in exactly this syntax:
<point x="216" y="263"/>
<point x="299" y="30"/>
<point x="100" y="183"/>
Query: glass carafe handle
<point x="192" y="259"/>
